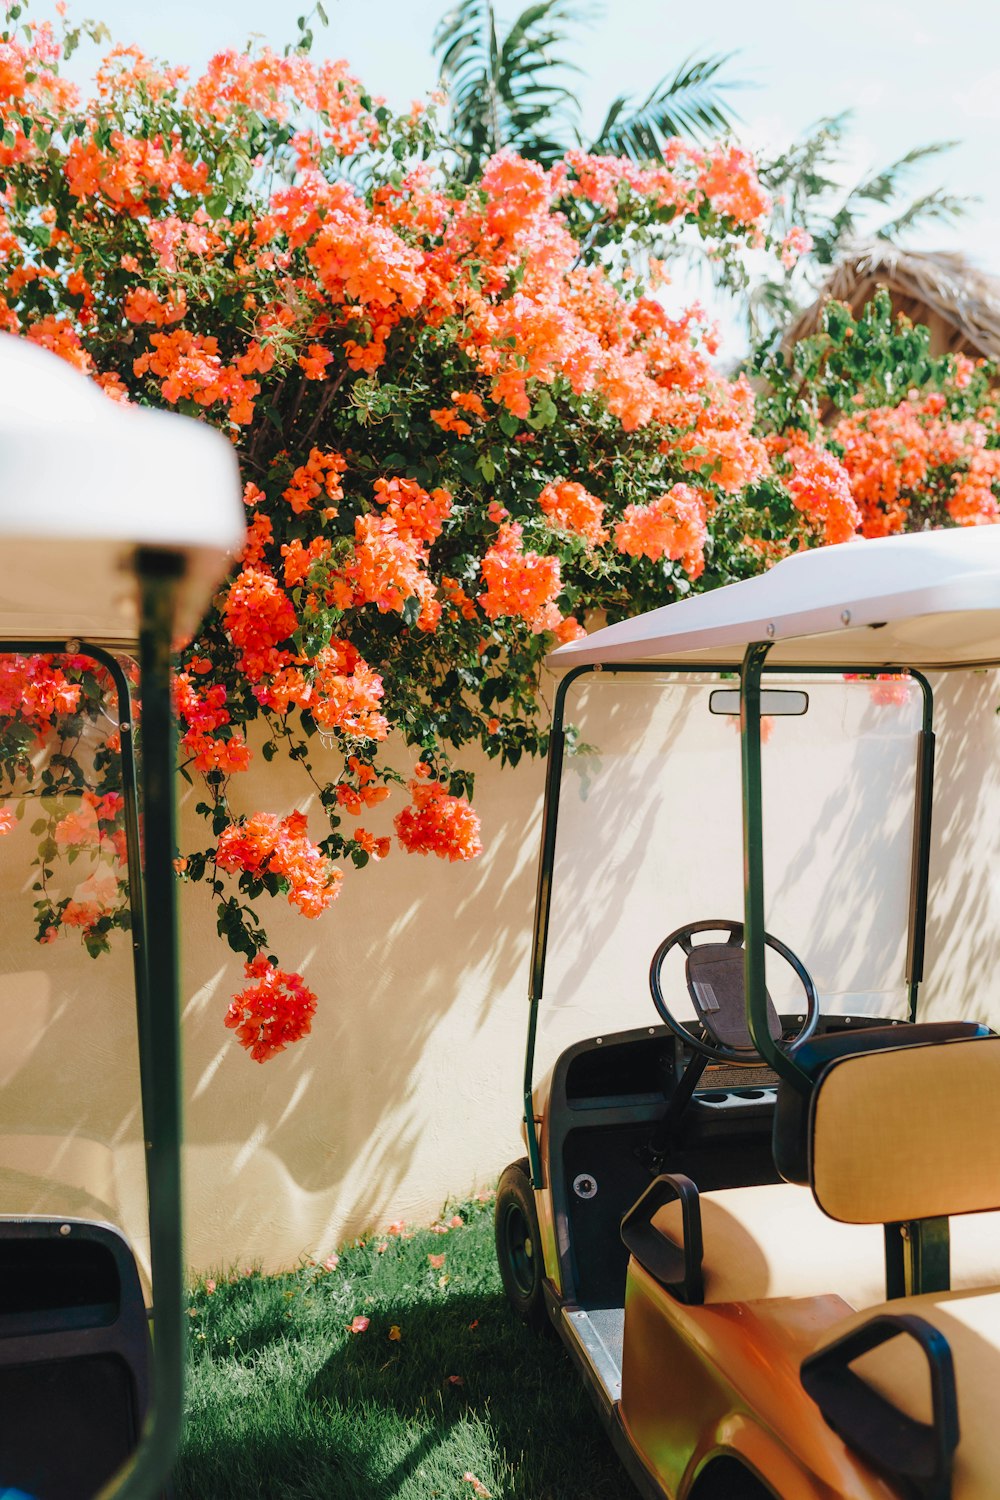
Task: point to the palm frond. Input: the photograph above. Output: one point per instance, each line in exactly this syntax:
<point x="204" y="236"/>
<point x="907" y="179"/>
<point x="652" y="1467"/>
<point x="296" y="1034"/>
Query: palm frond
<point x="690" y="103"/>
<point x="885" y="184"/>
<point x="937" y="207"/>
<point x="507" y="91"/>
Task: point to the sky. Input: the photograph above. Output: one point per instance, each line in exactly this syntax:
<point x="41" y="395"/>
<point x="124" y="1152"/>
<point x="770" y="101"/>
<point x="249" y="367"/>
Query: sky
<point x="912" y="72"/>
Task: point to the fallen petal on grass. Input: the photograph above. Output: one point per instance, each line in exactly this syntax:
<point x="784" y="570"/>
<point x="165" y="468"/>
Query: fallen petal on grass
<point x="310" y="1375"/>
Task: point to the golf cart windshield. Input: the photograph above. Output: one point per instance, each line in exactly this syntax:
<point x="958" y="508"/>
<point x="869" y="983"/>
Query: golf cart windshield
<point x="71" y="1137"/>
<point x="650" y="838"/>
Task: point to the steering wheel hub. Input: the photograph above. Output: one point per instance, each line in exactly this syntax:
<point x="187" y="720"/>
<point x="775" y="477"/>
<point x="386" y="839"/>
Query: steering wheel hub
<point x="714" y="973"/>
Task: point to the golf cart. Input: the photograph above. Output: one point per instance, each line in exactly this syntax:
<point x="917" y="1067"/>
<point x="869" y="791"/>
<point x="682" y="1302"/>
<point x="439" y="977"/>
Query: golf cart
<point x="761" y="1201"/>
<point x="116" y="526"/>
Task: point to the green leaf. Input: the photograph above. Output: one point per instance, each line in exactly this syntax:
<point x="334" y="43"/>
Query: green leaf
<point x="411" y="610"/>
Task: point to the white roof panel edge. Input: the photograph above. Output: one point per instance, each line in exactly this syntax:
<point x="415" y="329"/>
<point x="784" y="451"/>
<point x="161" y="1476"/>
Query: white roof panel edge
<point x="927" y="599"/>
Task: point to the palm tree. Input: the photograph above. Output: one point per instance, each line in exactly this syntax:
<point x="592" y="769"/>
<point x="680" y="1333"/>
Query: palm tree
<point x="809" y="192"/>
<point x="505" y="89"/>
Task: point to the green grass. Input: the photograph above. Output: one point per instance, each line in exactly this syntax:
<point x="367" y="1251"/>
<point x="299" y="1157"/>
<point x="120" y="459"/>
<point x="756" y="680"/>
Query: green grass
<point x="285" y="1403"/>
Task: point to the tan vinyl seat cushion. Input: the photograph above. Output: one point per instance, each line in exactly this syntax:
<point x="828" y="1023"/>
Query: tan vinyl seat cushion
<point x="773" y="1241"/>
<point x="970" y="1322"/>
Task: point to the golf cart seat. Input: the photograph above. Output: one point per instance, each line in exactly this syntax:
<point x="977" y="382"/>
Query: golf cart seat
<point x="865" y="1171"/>
<point x="937" y="1156"/>
<point x="74" y="1356"/>
<point x="922" y="1406"/>
<point x="774" y="1241"/>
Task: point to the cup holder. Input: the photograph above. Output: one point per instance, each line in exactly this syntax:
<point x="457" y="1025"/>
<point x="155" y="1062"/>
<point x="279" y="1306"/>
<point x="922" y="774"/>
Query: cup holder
<point x="735" y="1098"/>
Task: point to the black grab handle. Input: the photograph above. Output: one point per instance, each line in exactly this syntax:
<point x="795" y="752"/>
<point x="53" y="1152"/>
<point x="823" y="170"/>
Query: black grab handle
<point x="675" y="1267"/>
<point x="918" y="1453"/>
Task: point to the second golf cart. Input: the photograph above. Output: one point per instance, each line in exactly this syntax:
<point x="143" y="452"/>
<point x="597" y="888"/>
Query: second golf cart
<point x="761" y="1201"/>
<point x="116" y="526"/>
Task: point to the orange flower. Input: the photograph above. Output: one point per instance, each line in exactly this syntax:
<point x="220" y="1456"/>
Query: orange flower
<point x="570" y="507"/>
<point x="672" y="526"/>
<point x="520" y="584"/>
<point x="269" y="1014"/>
<point x="143" y="306"/>
<point x="315" y="361"/>
<point x="320" y="475"/>
<point x="191" y="368"/>
<point x="375" y="848"/>
<point x="266" y="844"/>
<point x="438" y="823"/>
<point x="258" y="615"/>
<point x="819" y="485"/>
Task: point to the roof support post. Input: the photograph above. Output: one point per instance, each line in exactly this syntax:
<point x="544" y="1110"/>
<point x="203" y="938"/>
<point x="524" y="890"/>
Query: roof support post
<point x="543" y="904"/>
<point x="147" y="1471"/>
<point x="755" y="983"/>
<point x="920" y="860"/>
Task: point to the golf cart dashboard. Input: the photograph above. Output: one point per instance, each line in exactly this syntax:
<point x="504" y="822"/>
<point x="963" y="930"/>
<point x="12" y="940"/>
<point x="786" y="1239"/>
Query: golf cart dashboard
<point x="603" y="1104"/>
<point x="641" y="1067"/>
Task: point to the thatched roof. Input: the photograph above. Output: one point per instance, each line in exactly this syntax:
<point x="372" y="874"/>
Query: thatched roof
<point x="959" y="303"/>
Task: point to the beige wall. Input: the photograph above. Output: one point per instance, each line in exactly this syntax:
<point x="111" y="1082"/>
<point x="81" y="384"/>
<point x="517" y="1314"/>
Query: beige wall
<point x="409" y="1087"/>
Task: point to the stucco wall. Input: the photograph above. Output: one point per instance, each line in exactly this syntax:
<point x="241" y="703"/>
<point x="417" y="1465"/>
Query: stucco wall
<point x="408" y="1089"/>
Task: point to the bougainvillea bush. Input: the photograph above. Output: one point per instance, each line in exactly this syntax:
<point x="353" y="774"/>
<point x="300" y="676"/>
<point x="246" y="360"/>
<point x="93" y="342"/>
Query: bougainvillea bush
<point x="466" y="423"/>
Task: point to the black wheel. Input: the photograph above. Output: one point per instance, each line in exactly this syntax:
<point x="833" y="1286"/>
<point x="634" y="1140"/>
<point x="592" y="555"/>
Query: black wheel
<point x="519" y="1251"/>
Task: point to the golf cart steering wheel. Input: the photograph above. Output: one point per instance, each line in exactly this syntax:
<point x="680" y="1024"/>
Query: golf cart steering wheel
<point x="714" y="973"/>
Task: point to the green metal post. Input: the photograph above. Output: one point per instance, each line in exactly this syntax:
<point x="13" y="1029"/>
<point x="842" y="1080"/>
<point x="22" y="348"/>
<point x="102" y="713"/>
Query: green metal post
<point x="543" y="903"/>
<point x="755" y="981"/>
<point x="149" y="1468"/>
<point x="920" y="864"/>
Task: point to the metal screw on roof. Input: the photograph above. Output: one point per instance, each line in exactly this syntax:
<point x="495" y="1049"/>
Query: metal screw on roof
<point x="846" y="617"/>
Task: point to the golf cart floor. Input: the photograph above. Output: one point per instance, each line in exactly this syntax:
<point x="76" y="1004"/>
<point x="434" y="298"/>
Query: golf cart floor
<point x="609" y="1325"/>
<point x="595" y="1336"/>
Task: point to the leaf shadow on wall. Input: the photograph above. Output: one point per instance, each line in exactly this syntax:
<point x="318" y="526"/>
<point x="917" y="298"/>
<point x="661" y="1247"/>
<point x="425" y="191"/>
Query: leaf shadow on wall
<point x="408" y="1088"/>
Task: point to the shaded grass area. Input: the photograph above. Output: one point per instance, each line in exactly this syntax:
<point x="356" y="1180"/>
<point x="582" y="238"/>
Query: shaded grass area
<point x="285" y="1402"/>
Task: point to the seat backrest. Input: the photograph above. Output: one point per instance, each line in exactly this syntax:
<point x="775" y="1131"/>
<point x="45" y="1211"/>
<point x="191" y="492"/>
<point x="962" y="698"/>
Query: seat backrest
<point x="74" y="1355"/>
<point x="908" y="1133"/>
<point x="793" y="1108"/>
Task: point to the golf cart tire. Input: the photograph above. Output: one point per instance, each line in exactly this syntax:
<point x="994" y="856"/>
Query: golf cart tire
<point x="518" y="1246"/>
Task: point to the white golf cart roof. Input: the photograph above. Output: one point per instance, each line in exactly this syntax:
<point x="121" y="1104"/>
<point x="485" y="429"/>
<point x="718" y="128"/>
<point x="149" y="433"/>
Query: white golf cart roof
<point x="84" y="482"/>
<point x="930" y="599"/>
